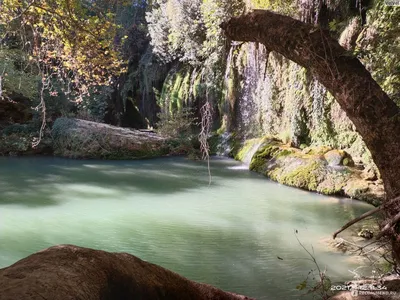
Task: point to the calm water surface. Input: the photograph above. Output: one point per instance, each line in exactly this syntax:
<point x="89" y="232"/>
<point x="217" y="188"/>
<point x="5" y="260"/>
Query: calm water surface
<point x="228" y="234"/>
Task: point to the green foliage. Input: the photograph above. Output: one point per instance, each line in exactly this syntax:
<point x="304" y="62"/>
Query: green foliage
<point x="16" y="77"/>
<point x="378" y="47"/>
<point x="17" y="139"/>
<point x="73" y="39"/>
<point x="178" y="124"/>
<point x="189" y="30"/>
<point x="179" y="127"/>
<point x="95" y="104"/>
<point x="287" y="7"/>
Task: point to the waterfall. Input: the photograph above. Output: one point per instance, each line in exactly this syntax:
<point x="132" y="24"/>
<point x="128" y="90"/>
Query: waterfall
<point x="247" y="105"/>
<point x="255" y="109"/>
<point x="252" y="150"/>
<point x="224" y="148"/>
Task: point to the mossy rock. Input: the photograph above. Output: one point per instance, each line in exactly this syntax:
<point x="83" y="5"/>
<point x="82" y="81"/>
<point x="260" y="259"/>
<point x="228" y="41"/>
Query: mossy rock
<point x="317" y="151"/>
<point x="271" y="148"/>
<point x="333" y="182"/>
<point x="248" y="145"/>
<point x="306" y="175"/>
<point x="310" y="170"/>
<point x="338" y="158"/>
<point x="85" y="139"/>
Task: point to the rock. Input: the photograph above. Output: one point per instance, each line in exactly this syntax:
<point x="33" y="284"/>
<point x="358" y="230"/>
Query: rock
<point x="366" y="233"/>
<point x="85" y="139"/>
<point x="370" y="192"/>
<point x="348" y="37"/>
<point x="369" y="174"/>
<point x="70" y="272"/>
<point x="338" y="158"/>
<point x="317" y="169"/>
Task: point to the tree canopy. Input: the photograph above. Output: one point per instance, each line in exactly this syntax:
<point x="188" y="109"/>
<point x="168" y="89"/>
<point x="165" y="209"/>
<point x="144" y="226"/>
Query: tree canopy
<point x="75" y="41"/>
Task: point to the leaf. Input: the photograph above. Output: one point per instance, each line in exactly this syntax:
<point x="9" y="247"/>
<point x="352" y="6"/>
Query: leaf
<point x="301" y="286"/>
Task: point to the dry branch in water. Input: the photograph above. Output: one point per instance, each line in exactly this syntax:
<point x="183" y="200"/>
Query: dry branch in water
<point x="358" y="219"/>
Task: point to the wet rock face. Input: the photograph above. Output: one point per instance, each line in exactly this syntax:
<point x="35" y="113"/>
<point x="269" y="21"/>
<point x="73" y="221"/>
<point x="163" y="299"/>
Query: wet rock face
<point x="70" y="272"/>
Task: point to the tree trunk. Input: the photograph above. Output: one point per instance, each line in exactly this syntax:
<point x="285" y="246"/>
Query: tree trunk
<point x="374" y="114"/>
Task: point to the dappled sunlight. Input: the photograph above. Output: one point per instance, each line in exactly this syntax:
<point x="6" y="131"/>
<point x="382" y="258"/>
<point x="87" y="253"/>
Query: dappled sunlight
<point x="88" y="191"/>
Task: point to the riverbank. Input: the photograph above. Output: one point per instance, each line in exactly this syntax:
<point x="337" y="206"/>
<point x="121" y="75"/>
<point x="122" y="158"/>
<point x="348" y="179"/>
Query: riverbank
<point x="319" y="169"/>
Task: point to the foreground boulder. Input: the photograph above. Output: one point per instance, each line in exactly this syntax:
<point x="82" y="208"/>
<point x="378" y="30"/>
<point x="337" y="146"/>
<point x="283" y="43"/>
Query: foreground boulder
<point x="70" y="272"/>
<point x="78" y="138"/>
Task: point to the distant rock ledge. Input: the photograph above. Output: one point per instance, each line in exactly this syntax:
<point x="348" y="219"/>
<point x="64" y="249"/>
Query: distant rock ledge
<point x="76" y="138"/>
<point x="70" y="272"/>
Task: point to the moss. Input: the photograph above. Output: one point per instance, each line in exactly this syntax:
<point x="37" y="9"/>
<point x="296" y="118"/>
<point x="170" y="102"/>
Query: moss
<point x="246" y="148"/>
<point x="318" y="151"/>
<point x="257" y="163"/>
<point x="305" y="177"/>
<point x="284" y="152"/>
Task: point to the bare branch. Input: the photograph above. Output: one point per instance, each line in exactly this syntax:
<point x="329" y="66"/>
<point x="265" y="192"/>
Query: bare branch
<point x="358" y="219"/>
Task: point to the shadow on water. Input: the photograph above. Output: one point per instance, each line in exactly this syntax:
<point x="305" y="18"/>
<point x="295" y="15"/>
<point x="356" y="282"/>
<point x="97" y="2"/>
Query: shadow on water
<point x="228" y="234"/>
<point x="36" y="182"/>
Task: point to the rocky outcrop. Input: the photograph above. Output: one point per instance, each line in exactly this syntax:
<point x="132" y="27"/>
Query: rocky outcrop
<point x="78" y="138"/>
<point x="70" y="272"/>
<point x="322" y="169"/>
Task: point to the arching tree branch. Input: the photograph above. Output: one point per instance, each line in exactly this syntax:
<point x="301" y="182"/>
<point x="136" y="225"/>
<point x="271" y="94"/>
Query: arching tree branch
<point x="374" y="114"/>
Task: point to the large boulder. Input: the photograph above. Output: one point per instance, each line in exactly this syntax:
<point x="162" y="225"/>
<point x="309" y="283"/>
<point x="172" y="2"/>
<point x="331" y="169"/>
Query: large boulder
<point x="70" y="272"/>
<point x="78" y="138"/>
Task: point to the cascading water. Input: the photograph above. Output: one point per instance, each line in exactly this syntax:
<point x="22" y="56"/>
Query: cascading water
<point x="254" y="99"/>
<point x="253" y="149"/>
<point x="247" y="105"/>
<point x="224" y="148"/>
